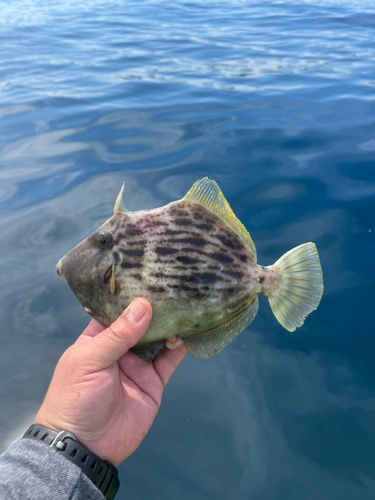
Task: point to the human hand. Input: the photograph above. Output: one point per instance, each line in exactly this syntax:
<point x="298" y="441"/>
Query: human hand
<point x="103" y="394"/>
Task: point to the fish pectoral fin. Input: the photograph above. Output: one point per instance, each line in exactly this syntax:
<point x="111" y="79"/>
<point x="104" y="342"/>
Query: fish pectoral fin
<point x="208" y="194"/>
<point x="207" y="344"/>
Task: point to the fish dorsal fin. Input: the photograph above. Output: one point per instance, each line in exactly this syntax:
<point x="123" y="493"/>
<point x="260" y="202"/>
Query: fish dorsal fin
<point x="208" y="194"/>
<point x="207" y="344"/>
<point x="119" y="205"/>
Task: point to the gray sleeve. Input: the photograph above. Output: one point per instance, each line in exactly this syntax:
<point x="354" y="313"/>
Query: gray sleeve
<point x="30" y="471"/>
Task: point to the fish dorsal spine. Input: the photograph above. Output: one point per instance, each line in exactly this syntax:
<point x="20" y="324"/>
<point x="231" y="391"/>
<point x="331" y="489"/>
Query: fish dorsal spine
<point x="119" y="205"/>
<point x="207" y="193"/>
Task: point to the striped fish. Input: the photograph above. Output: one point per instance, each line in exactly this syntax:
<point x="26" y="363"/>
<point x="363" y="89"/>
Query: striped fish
<point x="196" y="264"/>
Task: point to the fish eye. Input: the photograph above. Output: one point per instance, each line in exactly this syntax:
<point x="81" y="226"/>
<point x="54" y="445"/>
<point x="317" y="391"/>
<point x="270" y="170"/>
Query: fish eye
<point x="104" y="240"/>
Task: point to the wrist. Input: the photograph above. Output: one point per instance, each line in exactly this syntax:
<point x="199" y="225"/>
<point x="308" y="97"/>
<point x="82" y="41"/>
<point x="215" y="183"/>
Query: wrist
<point x="55" y="425"/>
<point x="102" y="474"/>
<point x="39" y="420"/>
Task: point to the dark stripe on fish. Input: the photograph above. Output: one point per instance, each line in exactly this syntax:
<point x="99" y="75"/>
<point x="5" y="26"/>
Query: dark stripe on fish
<point x="171" y="232"/>
<point x="199" y="242"/>
<point x="233" y="274"/>
<point x="203" y="227"/>
<point x="183" y="287"/>
<point x="220" y="257"/>
<point x="135" y="232"/>
<point x="177" y="212"/>
<point x="157" y="275"/>
<point x="196" y="250"/>
<point x="153" y="224"/>
<point x="119" y="237"/>
<point x="165" y="250"/>
<point x="187" y="260"/>
<point x="131" y="265"/>
<point x="156" y="289"/>
<point x="132" y="253"/>
<point x="241" y="256"/>
<point x="187" y="269"/>
<point x="183" y="222"/>
<point x="201" y="278"/>
<point x="230" y="243"/>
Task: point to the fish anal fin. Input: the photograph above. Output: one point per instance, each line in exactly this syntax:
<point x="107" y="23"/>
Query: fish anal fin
<point x="207" y="193"/>
<point x="207" y="344"/>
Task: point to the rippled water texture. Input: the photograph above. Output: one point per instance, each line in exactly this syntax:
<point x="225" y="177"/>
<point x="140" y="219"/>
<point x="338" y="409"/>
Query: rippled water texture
<point x="275" y="101"/>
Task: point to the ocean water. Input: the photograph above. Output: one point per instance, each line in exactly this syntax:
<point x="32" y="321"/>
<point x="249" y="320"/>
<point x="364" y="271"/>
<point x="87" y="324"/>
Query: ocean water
<point x="275" y="100"/>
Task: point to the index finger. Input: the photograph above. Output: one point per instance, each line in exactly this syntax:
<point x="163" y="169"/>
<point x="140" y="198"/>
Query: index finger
<point x="166" y="364"/>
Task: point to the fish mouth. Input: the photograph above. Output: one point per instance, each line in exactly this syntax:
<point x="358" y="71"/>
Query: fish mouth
<point x="58" y="268"/>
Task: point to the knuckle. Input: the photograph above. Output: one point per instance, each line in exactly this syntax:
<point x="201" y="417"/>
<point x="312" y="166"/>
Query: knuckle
<point x="116" y="332"/>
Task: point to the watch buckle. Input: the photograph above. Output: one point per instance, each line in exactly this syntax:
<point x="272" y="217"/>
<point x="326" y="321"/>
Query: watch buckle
<point x="58" y="442"/>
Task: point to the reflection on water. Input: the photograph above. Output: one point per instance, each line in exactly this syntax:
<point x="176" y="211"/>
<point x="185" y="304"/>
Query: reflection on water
<point x="275" y="102"/>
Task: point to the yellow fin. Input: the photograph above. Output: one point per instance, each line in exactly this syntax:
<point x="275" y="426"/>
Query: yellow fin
<point x="301" y="286"/>
<point x="207" y="344"/>
<point x="208" y="194"/>
<point x="119" y="205"/>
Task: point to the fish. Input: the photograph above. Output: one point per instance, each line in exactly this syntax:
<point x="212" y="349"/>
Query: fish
<point x="196" y="263"/>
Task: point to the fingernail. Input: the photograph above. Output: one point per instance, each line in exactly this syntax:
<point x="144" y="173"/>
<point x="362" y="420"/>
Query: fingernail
<point x="135" y="311"/>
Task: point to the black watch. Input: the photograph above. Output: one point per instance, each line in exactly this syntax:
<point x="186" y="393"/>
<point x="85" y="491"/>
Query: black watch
<point x="103" y="474"/>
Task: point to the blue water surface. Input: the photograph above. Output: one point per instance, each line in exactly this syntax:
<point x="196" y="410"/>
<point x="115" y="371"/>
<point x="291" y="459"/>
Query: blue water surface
<point x="275" y="100"/>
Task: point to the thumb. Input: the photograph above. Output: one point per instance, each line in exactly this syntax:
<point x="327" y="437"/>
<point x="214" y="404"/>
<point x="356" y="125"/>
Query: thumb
<point x="107" y="347"/>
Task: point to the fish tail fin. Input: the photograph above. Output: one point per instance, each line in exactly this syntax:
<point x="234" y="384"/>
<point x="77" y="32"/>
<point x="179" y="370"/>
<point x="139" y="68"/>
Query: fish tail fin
<point x="300" y="288"/>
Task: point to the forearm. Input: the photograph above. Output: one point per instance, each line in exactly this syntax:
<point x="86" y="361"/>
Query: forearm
<point x="30" y="471"/>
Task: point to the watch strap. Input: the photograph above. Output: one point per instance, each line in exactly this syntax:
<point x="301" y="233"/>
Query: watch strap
<point x="102" y="474"/>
